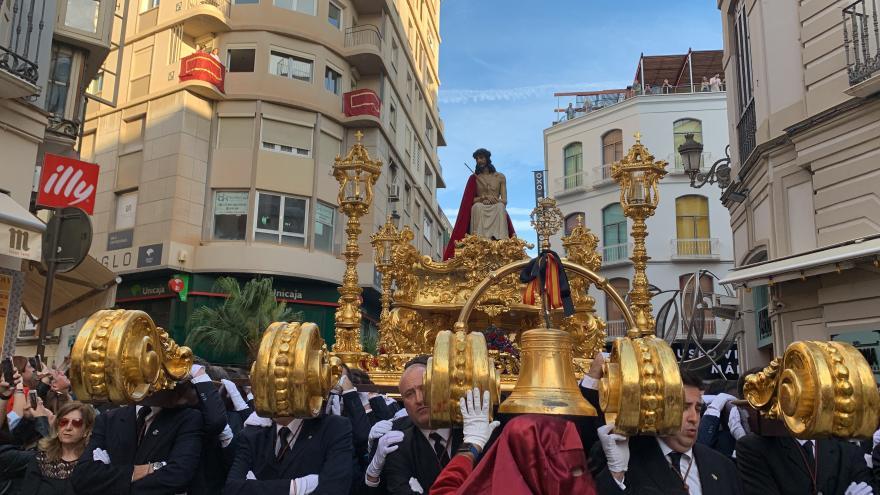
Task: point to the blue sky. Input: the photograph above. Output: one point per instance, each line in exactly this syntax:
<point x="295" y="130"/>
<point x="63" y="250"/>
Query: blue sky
<point x="501" y="62"/>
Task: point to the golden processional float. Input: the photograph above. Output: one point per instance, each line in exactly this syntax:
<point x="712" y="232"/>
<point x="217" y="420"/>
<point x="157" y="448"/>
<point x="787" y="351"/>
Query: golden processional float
<point x="439" y="308"/>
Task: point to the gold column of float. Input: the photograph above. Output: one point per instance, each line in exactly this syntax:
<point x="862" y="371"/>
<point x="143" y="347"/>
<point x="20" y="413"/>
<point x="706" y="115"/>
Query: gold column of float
<point x="356" y="174"/>
<point x="638" y="175"/>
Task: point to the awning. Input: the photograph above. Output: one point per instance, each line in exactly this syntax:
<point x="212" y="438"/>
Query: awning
<point x="80" y="292"/>
<point x="832" y="258"/>
<point x="21" y="233"/>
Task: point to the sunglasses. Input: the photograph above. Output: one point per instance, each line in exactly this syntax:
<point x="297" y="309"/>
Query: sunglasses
<point x="76" y="423"/>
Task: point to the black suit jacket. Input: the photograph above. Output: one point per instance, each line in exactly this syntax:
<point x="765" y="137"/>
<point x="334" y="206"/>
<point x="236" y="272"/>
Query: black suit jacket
<point x="649" y="471"/>
<point x="174" y="436"/>
<point x="775" y="466"/>
<point x="414" y="458"/>
<point x="323" y="447"/>
<point x="215" y="460"/>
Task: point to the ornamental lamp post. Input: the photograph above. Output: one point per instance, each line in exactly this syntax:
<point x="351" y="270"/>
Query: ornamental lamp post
<point x="691" y="152"/>
<point x="638" y="175"/>
<point x="383" y="243"/>
<point x="357" y="173"/>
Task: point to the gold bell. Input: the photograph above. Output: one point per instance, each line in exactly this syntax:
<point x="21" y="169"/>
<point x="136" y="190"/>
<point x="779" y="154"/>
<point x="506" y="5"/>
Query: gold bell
<point x="546" y="382"/>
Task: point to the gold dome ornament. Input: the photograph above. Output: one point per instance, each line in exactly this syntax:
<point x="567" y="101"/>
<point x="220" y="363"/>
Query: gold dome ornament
<point x="121" y="356"/>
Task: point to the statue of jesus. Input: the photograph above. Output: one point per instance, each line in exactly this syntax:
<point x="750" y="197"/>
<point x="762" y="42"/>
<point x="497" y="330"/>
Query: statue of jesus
<point x="482" y="211"/>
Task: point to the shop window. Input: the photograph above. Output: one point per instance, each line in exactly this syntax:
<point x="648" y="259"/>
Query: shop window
<point x="230" y="215"/>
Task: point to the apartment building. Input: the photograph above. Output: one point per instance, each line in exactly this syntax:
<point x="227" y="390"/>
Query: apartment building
<point x="216" y="159"/>
<point x="49" y="52"/>
<point x="804" y="104"/>
<point x="690" y="229"/>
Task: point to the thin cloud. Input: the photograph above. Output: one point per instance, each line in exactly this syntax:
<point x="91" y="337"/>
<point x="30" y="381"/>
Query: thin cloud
<point x="458" y="96"/>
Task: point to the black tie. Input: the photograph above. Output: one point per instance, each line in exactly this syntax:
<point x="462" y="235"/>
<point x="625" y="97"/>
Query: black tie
<point x="283" y="440"/>
<point x="808" y="455"/>
<point x="439" y="448"/>
<point x="142" y="422"/>
<point x="675" y="459"/>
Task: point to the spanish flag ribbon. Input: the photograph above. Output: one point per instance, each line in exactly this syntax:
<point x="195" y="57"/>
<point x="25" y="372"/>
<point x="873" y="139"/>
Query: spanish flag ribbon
<point x="544" y="275"/>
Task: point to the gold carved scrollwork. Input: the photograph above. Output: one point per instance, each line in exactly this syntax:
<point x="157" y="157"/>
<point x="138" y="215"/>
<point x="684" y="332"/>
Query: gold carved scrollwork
<point x="818" y="389"/>
<point x="121" y="356"/>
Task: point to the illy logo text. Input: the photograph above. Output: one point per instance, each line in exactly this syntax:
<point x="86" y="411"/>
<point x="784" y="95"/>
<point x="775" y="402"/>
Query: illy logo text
<point x="18" y="240"/>
<point x="66" y="175"/>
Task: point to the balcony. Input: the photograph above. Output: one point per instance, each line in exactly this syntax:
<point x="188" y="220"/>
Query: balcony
<point x="67" y="129"/>
<point x="616" y="254"/>
<point x="369" y="7"/>
<point x="363" y="107"/>
<point x="861" y="42"/>
<point x="571" y="184"/>
<point x="615" y="328"/>
<point x="699" y="249"/>
<point x="678" y="166"/>
<point x="203" y="74"/>
<point x="363" y="49"/>
<point x="603" y="174"/>
<point x="198" y="17"/>
<point x="20" y="39"/>
<point x="764" y="328"/>
<point x="745" y="133"/>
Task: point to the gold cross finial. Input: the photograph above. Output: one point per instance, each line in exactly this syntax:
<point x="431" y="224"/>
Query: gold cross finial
<point x="580" y="220"/>
<point x="638" y="136"/>
<point x="358" y="135"/>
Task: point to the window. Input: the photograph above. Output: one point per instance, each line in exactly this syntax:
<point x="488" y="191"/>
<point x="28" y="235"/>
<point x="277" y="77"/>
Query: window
<point x="286" y="137"/>
<point x="132" y="135"/>
<point x="613" y="314"/>
<point x="230" y="215"/>
<point x="614" y="234"/>
<point x="429" y="180"/>
<point x="394" y="51"/>
<point x="141" y="69"/>
<point x="302" y="6"/>
<point x="83" y="15"/>
<point x="241" y="2"/>
<point x="761" y="304"/>
<point x="126" y="207"/>
<point x="392" y="114"/>
<point x="409" y="86"/>
<point x="428" y="228"/>
<point x="97" y="84"/>
<point x="612" y="148"/>
<point x="429" y="130"/>
<point x="332" y="81"/>
<point x="235" y="132"/>
<point x="682" y="127"/>
<point x="574" y="165"/>
<point x="284" y="65"/>
<point x="280" y="219"/>
<point x="59" y="80"/>
<point x="743" y="53"/>
<point x="240" y="59"/>
<point x="334" y="15"/>
<point x="572" y="220"/>
<point x="692" y="218"/>
<point x="325" y="217"/>
<point x="149" y="4"/>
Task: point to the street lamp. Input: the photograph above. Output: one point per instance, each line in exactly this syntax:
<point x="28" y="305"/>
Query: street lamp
<point x="356" y="174"/>
<point x="638" y="175"/>
<point x="691" y="153"/>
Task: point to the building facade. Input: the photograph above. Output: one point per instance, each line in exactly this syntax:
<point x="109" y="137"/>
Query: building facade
<point x="690" y="229"/>
<point x="217" y="157"/>
<point x="804" y="112"/>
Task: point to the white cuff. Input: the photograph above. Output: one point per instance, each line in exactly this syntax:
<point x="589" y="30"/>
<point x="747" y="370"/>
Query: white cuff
<point x="292" y="487"/>
<point x="225" y="436"/>
<point x="370" y="483"/>
<point x="353" y="389"/>
<point x="711" y="411"/>
<point x="590" y="382"/>
<point x="201" y="378"/>
<point x="620" y="483"/>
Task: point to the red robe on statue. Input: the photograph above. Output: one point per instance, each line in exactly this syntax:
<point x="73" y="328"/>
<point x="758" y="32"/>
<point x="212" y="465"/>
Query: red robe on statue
<point x="463" y="220"/>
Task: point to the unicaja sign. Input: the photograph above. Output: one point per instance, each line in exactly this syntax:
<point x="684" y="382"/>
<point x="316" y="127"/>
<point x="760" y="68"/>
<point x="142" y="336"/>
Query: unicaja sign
<point x="67" y="182"/>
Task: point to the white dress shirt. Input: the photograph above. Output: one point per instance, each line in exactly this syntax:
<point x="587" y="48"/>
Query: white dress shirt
<point x="154" y="411"/>
<point x="691" y="476"/>
<point x="445" y="433"/>
<point x="294" y="428"/>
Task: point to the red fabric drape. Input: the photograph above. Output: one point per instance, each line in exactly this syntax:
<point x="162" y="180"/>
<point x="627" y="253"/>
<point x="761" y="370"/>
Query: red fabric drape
<point x="535" y="454"/>
<point x="463" y="220"/>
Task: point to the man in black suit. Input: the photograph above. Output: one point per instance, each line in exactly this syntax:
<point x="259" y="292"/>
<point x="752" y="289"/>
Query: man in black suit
<point x="673" y="464"/>
<point x="293" y="457"/>
<point x="788" y="466"/>
<point x="151" y="448"/>
<point x="216" y="454"/>
<point x="423" y="452"/>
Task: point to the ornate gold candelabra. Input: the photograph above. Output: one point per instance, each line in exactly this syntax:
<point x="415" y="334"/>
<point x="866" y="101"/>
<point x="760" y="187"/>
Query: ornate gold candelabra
<point x="638" y="175"/>
<point x="383" y="243"/>
<point x="356" y="174"/>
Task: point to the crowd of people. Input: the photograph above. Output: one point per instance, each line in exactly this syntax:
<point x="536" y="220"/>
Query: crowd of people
<point x="203" y="437"/>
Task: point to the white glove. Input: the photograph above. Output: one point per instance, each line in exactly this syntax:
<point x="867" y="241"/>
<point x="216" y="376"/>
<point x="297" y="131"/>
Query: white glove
<point x="859" y="489"/>
<point x="304" y="485"/>
<point x="616" y="448"/>
<point x="477" y="428"/>
<point x="101" y="455"/>
<point x="377" y="431"/>
<point x="202" y="378"/>
<point x="225" y="436"/>
<point x="250" y="476"/>
<point x="400" y="414"/>
<point x="415" y="486"/>
<point x="234" y="395"/>
<point x="876" y="438"/>
<point x="734" y="423"/>
<point x="334" y="406"/>
<point x="387" y="444"/>
<point x="718" y="404"/>
<point x="869" y="460"/>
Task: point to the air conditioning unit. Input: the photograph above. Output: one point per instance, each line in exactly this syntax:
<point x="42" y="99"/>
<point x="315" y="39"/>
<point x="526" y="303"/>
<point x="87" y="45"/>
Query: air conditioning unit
<point x="393" y="192"/>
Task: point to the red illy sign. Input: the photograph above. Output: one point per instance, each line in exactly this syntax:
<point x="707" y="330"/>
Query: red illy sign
<point x="66" y="182"/>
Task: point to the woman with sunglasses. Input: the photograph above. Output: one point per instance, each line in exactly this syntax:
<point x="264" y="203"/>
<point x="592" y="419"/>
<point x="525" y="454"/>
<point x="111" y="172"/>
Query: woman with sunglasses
<point x="47" y="470"/>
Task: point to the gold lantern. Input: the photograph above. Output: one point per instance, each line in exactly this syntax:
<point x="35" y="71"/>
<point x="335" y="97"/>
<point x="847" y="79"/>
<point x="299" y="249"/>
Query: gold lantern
<point x="383" y="243"/>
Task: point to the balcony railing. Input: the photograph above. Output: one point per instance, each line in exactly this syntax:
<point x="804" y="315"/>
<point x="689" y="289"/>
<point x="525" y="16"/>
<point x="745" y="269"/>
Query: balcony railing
<point x="20" y="41"/>
<point x="224" y="6"/>
<point x="590" y="102"/>
<point x="708" y="323"/>
<point x="861" y="40"/>
<point x="573" y="182"/>
<point x="764" y="327"/>
<point x="365" y="34"/>
<point x="615" y="253"/>
<point x="201" y="66"/>
<point x="745" y="132"/>
<point x="694" y="248"/>
<point x="361" y="102"/>
<point x="615" y="328"/>
<point x="678" y="168"/>
<point x="604" y="174"/>
<point x="68" y="128"/>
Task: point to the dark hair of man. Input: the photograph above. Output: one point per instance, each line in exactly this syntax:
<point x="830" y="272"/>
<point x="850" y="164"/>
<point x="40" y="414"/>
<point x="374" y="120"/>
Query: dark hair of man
<point x="359" y="377"/>
<point x="486" y="154"/>
<point x="418" y="360"/>
<point x="690" y="379"/>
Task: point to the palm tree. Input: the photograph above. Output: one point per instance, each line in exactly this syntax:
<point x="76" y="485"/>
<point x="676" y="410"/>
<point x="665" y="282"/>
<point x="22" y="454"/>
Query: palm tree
<point x="236" y="327"/>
